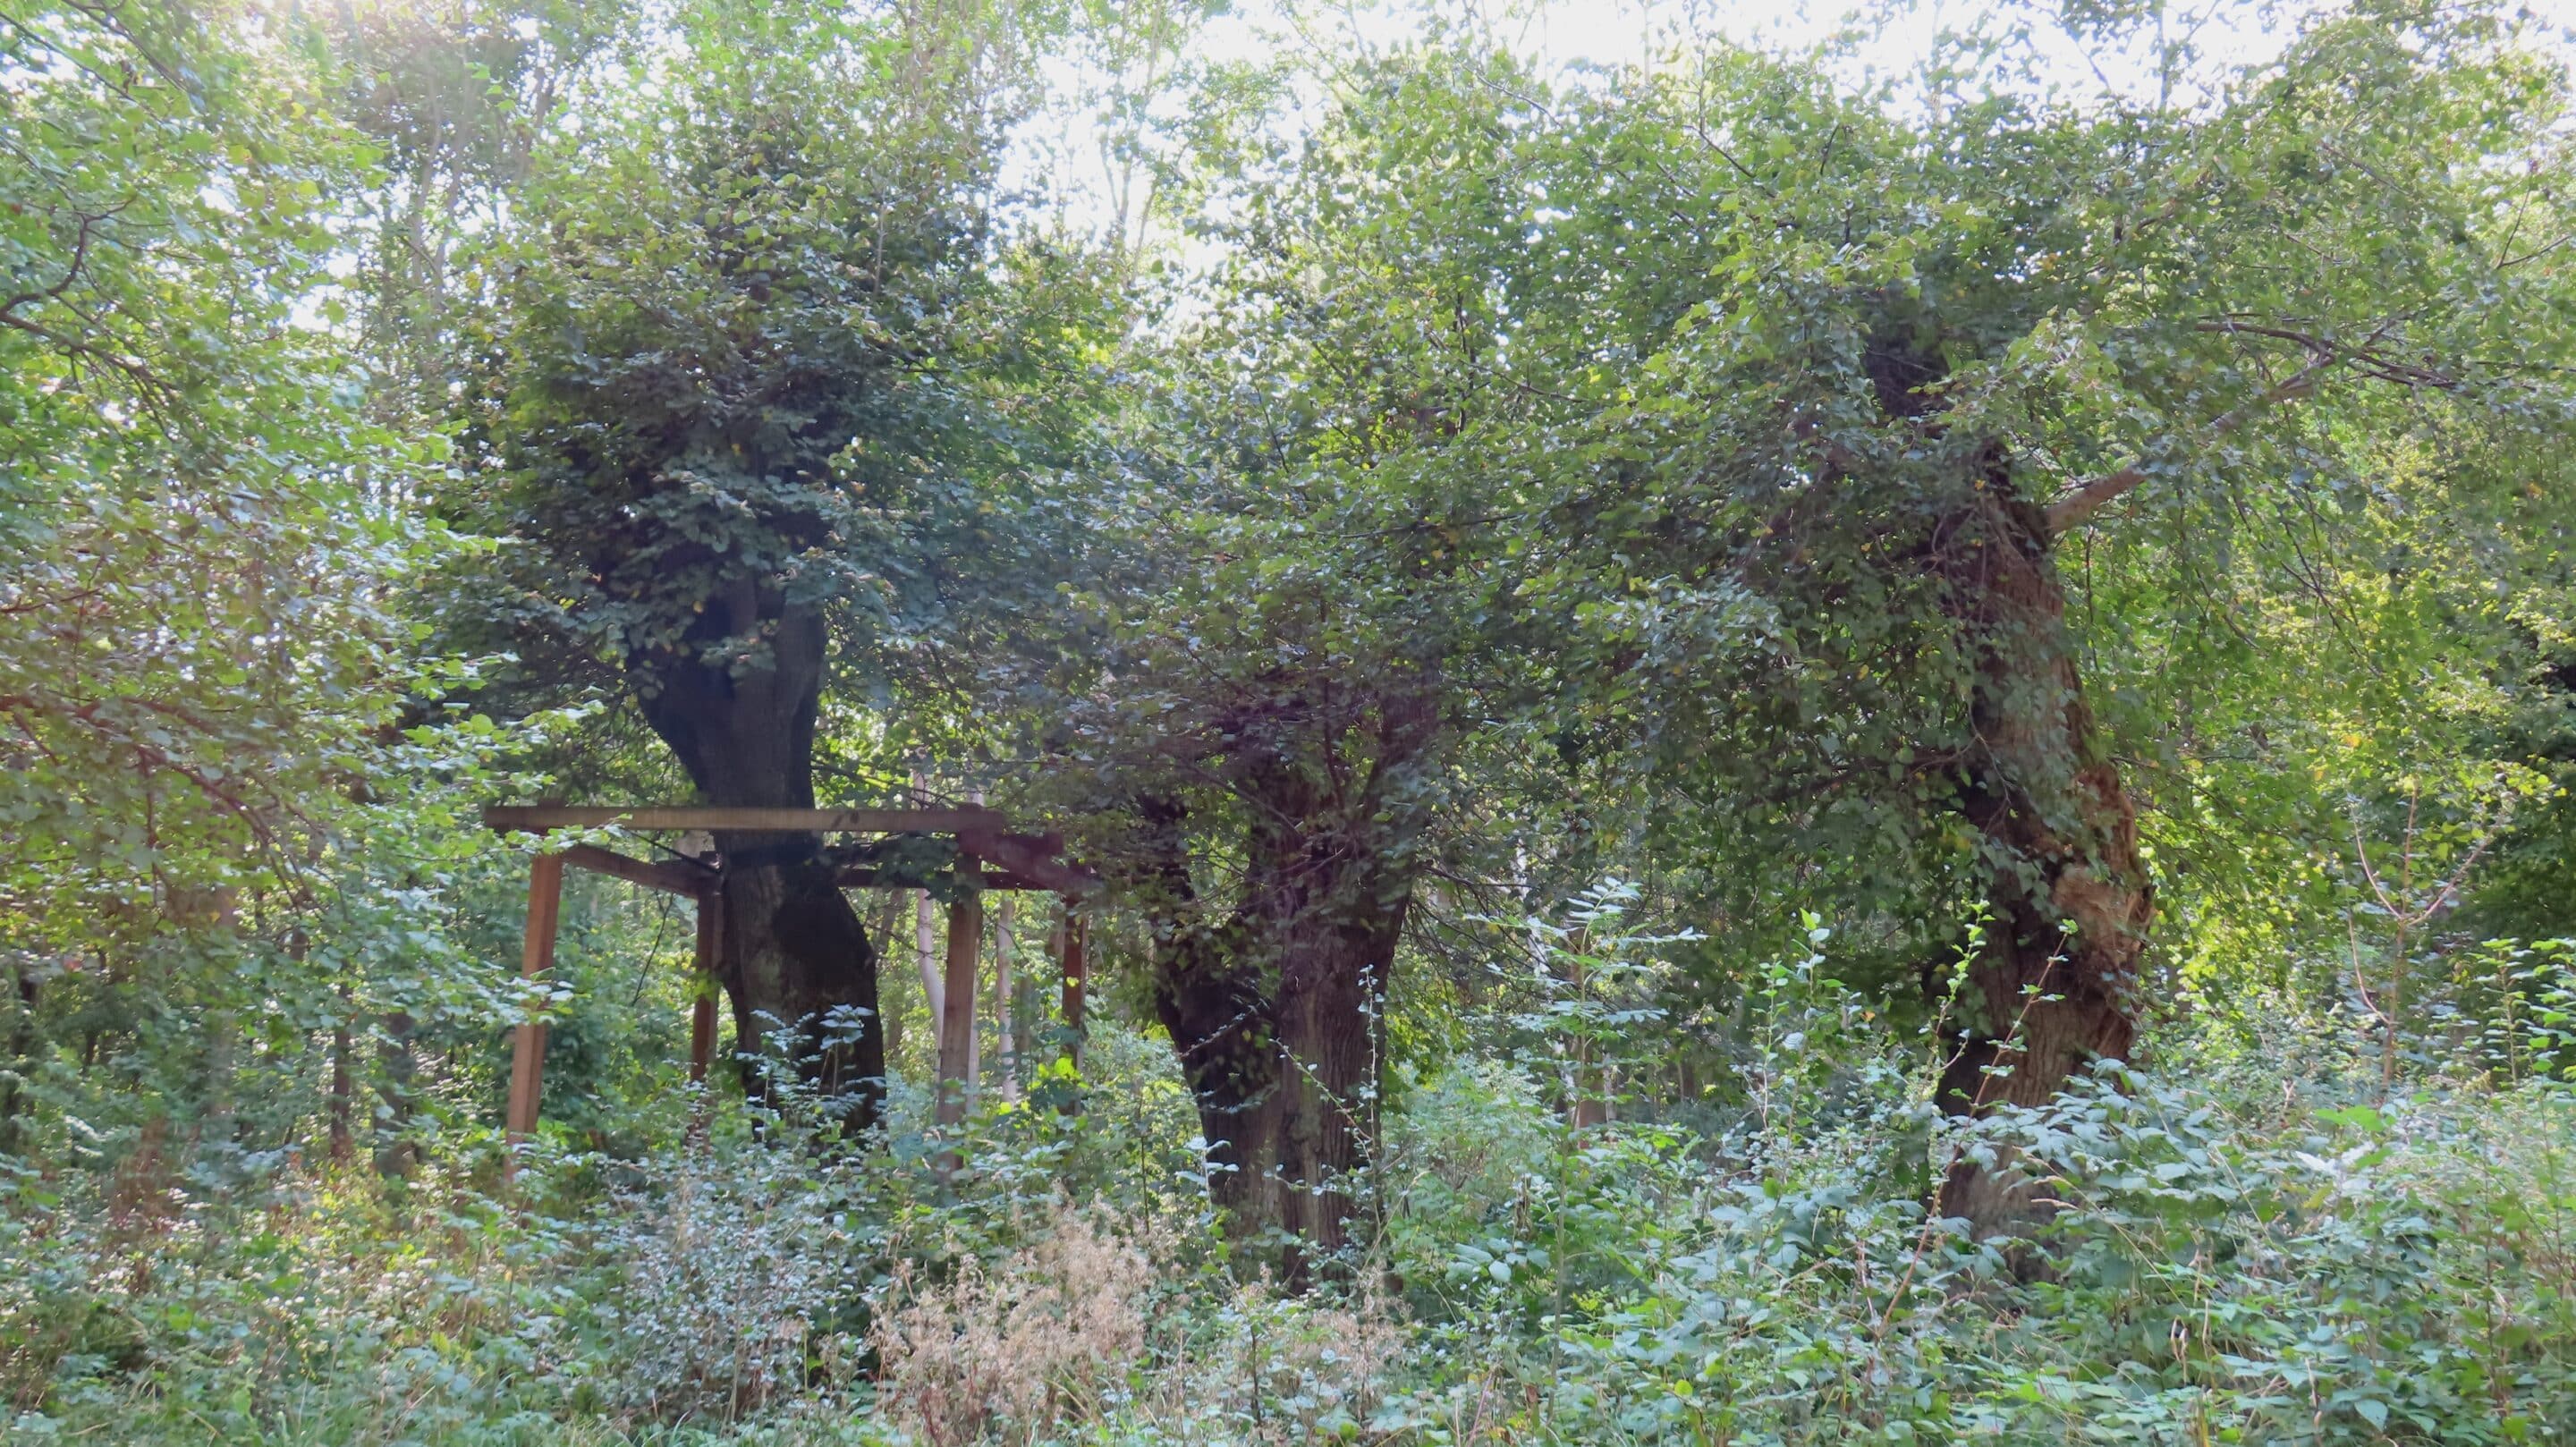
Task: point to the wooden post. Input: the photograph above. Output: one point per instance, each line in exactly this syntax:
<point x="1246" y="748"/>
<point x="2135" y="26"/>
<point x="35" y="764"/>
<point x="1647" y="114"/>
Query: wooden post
<point x="971" y="868"/>
<point x="702" y="1017"/>
<point x="536" y="956"/>
<point x="957" y="1017"/>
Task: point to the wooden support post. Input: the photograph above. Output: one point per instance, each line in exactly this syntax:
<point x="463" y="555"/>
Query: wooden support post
<point x="972" y="868"/>
<point x="536" y="956"/>
<point x="702" y="1017"/>
<point x="957" y="1018"/>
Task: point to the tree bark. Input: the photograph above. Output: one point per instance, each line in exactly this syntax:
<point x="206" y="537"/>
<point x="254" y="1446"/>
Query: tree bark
<point x="2053" y="987"/>
<point x="796" y="962"/>
<point x="1274" y="1012"/>
<point x="22" y="1063"/>
<point x="397" y="1152"/>
<point x="343" y="1089"/>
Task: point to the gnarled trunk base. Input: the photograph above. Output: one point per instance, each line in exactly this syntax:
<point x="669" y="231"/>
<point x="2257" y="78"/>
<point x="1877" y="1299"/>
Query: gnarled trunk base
<point x="2053" y="989"/>
<point x="801" y="977"/>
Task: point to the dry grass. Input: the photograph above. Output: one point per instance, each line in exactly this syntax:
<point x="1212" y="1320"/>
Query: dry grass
<point x="1043" y="1338"/>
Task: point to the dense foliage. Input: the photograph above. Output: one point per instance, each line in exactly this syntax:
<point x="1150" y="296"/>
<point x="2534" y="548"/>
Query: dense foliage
<point x="1757" y="756"/>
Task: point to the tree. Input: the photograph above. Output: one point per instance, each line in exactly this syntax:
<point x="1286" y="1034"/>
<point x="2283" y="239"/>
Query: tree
<point x="1863" y="379"/>
<point x="1772" y="411"/>
<point x="202" y="653"/>
<point x="727" y="432"/>
<point x="1280" y="660"/>
<point x="456" y="94"/>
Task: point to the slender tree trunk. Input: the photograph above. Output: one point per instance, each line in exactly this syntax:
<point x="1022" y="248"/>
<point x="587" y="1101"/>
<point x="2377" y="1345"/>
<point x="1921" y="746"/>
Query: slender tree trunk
<point x="797" y="965"/>
<point x="344" y="1087"/>
<point x="889" y="924"/>
<point x="925" y="958"/>
<point x="22" y="1064"/>
<point x="396" y="1153"/>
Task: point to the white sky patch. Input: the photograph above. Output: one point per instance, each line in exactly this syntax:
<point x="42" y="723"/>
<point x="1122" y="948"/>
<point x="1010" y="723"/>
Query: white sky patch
<point x="1882" y="44"/>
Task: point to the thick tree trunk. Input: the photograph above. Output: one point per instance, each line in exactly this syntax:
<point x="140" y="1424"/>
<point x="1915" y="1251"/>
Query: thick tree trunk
<point x="2054" y="987"/>
<point x="796" y="963"/>
<point x="1273" y="1019"/>
<point x="1275" y="1012"/>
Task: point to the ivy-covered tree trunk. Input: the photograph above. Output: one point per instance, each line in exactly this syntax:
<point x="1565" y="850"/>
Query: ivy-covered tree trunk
<point x="1274" y="1012"/>
<point x="795" y="957"/>
<point x="2053" y="987"/>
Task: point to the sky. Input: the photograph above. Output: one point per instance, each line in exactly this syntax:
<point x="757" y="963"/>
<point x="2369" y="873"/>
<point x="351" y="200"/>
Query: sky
<point x="1061" y="152"/>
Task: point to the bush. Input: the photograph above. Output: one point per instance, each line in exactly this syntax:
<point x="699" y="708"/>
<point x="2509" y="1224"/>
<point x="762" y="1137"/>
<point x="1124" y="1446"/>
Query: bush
<point x="2251" y="1246"/>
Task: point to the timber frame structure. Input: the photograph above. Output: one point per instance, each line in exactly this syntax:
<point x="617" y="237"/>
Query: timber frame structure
<point x="1020" y="861"/>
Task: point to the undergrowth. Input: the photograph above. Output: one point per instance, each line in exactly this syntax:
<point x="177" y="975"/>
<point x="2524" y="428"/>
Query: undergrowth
<point x="2251" y="1246"/>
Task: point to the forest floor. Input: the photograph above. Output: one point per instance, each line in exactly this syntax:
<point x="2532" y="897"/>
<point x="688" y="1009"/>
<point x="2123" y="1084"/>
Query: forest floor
<point x="2255" y="1247"/>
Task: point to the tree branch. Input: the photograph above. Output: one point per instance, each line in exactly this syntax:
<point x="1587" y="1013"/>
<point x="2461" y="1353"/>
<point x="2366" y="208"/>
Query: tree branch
<point x="2076" y="508"/>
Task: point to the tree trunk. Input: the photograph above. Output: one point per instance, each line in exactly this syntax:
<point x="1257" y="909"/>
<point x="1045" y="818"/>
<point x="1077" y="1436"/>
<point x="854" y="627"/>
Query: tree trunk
<point x="344" y="1088"/>
<point x="21" y="1066"/>
<point x="2054" y="987"/>
<point x="1275" y="1012"/>
<point x="890" y="1011"/>
<point x="1273" y="1019"/>
<point x="797" y="966"/>
<point x="397" y="1153"/>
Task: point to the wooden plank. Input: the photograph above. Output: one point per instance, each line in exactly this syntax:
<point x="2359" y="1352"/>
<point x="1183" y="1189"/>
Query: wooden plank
<point x="536" y="956"/>
<point x="537" y="818"/>
<point x="683" y="877"/>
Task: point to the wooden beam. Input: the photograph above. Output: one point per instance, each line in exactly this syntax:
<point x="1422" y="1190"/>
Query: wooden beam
<point x="536" y="956"/>
<point x="684" y="877"/>
<point x="1037" y="858"/>
<point x="537" y="818"/>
